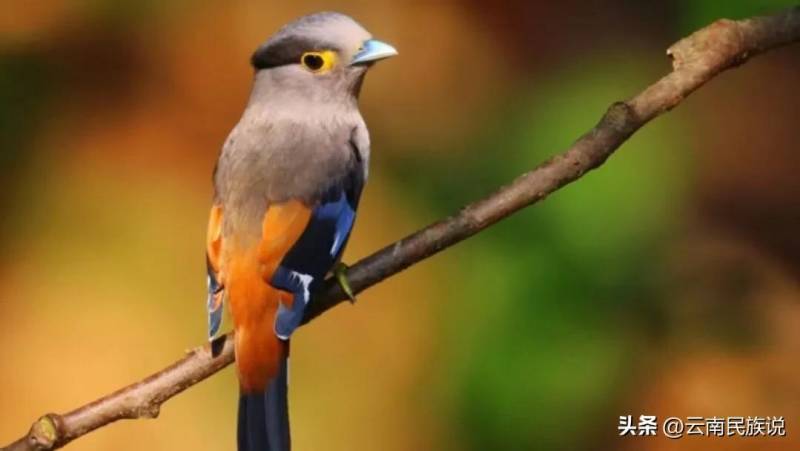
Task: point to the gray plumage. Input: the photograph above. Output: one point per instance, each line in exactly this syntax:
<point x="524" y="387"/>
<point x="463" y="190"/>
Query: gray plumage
<point x="300" y="132"/>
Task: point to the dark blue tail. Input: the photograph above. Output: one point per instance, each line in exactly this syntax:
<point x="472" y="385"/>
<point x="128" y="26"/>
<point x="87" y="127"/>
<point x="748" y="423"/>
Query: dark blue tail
<point x="264" y="417"/>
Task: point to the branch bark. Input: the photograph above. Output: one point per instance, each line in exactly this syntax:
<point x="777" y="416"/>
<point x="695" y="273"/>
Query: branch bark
<point x="696" y="59"/>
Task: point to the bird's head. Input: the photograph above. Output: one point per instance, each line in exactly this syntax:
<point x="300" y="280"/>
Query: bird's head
<point x="320" y="57"/>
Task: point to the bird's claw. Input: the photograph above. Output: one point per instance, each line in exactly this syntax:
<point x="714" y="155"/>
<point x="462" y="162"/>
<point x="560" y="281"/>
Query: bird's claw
<point x="340" y="273"/>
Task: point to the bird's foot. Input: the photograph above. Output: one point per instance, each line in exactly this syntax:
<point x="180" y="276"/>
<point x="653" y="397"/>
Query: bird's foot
<point x="340" y="273"/>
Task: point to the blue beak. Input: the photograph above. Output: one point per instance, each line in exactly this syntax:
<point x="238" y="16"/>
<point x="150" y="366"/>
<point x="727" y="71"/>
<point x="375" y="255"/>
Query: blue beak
<point x="373" y="50"/>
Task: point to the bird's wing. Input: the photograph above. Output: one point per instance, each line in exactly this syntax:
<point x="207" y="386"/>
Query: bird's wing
<point x="215" y="287"/>
<point x="299" y="245"/>
<point x="316" y="250"/>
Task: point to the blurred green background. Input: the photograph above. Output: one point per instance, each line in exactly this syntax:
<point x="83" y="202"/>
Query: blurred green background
<point x="665" y="283"/>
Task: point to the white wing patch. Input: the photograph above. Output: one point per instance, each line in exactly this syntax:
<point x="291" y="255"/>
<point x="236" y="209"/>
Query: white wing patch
<point x="305" y="281"/>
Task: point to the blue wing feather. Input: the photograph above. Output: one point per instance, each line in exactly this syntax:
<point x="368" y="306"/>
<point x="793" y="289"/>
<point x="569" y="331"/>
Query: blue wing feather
<point x="316" y="251"/>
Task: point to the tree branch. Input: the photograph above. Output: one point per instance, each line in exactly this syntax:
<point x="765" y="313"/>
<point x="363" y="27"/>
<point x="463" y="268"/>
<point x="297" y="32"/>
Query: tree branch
<point x="695" y="60"/>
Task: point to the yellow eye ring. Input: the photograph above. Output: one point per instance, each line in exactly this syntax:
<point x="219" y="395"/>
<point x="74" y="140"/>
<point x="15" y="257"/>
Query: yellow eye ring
<point x="318" y="62"/>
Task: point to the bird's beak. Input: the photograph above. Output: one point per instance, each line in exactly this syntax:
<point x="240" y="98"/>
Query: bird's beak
<point x="373" y="50"/>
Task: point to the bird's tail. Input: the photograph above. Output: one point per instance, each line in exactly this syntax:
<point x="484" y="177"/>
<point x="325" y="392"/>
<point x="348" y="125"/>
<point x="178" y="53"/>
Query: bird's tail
<point x="264" y="416"/>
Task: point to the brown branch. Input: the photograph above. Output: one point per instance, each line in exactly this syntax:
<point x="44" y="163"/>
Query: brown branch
<point x="695" y="60"/>
<point x="140" y="400"/>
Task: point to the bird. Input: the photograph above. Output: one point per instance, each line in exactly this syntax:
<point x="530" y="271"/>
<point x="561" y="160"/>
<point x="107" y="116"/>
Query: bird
<point x="287" y="185"/>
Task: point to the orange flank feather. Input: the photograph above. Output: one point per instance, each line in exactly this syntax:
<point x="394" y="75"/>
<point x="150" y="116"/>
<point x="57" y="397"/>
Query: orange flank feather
<point x="245" y="272"/>
<point x="214" y="236"/>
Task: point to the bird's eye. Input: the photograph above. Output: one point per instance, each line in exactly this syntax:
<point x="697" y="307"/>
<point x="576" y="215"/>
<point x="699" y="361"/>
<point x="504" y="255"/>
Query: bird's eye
<point x="313" y="61"/>
<point x="318" y="61"/>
